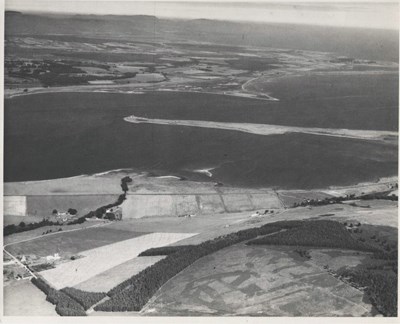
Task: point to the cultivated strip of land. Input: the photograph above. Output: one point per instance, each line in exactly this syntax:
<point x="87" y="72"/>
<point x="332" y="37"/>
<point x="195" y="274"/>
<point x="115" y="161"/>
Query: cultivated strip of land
<point x="71" y="273"/>
<point x="267" y="129"/>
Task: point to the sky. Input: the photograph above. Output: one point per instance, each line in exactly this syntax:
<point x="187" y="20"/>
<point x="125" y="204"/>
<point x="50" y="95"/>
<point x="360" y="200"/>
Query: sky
<point x="378" y="15"/>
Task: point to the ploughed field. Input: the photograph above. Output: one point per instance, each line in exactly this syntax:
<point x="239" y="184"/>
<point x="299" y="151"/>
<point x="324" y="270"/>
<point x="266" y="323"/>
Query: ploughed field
<point x="176" y="271"/>
<point x="244" y="280"/>
<point x="66" y="134"/>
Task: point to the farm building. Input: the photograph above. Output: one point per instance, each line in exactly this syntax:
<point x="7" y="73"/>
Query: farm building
<point x="114" y="213"/>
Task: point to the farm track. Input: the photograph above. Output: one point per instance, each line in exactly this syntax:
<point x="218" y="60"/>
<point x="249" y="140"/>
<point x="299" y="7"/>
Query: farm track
<point x="41" y="236"/>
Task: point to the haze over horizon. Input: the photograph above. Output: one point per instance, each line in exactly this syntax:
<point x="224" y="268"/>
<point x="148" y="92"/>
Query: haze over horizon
<point x="338" y="14"/>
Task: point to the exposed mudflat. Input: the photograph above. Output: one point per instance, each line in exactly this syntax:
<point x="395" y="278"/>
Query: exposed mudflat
<point x="265" y="129"/>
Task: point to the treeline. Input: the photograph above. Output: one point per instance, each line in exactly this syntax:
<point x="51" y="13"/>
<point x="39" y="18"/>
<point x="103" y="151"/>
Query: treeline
<point x="22" y="227"/>
<point x="84" y="298"/>
<point x="134" y="293"/>
<point x="381" y="288"/>
<point x="65" y="305"/>
<point x="338" y="200"/>
<point x="165" y="250"/>
<point x="320" y="233"/>
<point x="99" y="212"/>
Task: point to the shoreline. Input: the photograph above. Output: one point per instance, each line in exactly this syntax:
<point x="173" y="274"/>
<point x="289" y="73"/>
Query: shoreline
<point x="168" y="179"/>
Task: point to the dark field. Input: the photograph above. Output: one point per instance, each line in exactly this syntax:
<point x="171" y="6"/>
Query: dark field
<point x="64" y="134"/>
<point x="72" y="242"/>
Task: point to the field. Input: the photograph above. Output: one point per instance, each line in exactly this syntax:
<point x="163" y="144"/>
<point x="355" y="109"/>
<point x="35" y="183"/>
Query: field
<point x="73" y="242"/>
<point x="22" y="298"/>
<point x="146" y="205"/>
<point x="284" y="161"/>
<point x="9" y="219"/>
<point x="380" y="212"/>
<point x="108" y="279"/>
<point x="71" y="273"/>
<point x="44" y="205"/>
<point x="15" y="205"/>
<point x="244" y="280"/>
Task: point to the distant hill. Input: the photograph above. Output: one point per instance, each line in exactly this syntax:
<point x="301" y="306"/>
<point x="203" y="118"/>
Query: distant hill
<point x="354" y="42"/>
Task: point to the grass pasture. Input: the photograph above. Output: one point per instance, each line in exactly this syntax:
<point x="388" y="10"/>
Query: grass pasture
<point x="44" y="205"/>
<point x="72" y="242"/>
<point x="101" y="259"/>
<point x="244" y="280"/>
<point x="290" y="197"/>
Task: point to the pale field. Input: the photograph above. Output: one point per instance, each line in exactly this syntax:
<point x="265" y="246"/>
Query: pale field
<point x="372" y="212"/>
<point x="380" y="212"/>
<point x="108" y="279"/>
<point x="336" y="259"/>
<point x="98" y="260"/>
<point x="128" y="68"/>
<point x="22" y="298"/>
<point x="269" y="281"/>
<point x="14" y="205"/>
<point x="149" y="77"/>
<point x="97" y="82"/>
<point x="94" y="70"/>
<point x="146" y="205"/>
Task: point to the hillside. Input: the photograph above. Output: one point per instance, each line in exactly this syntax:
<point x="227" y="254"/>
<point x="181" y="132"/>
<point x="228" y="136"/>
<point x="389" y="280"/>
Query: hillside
<point x="361" y="43"/>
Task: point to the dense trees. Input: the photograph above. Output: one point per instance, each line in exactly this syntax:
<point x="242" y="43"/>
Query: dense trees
<point x="65" y="305"/>
<point x="72" y="211"/>
<point x="12" y="229"/>
<point x="84" y="298"/>
<point x="381" y="287"/>
<point x="321" y="233"/>
<point x="134" y="293"/>
<point x="124" y="183"/>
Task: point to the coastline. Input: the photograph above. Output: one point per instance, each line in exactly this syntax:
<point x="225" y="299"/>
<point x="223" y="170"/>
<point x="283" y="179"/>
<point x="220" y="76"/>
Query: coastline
<point x="108" y="182"/>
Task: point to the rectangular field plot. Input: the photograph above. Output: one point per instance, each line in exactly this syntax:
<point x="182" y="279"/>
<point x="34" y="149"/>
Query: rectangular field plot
<point x="44" y="204"/>
<point x="15" y="205"/>
<point x="186" y="205"/>
<point x="211" y="204"/>
<point x="72" y="242"/>
<point x="108" y="279"/>
<point x="137" y="206"/>
<point x="96" y="261"/>
<point x="237" y="203"/>
<point x="267" y="200"/>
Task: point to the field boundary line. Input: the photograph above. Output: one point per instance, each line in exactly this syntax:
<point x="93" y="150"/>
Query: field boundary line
<point x="61" y="232"/>
<point x="153" y="300"/>
<point x="20" y="263"/>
